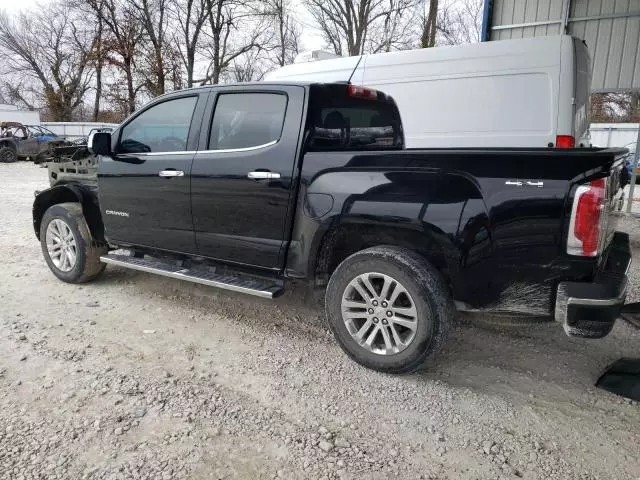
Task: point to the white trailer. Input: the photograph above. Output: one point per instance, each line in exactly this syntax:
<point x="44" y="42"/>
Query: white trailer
<point x="614" y="135"/>
<point x="10" y="113"/>
<point x="531" y="92"/>
<point x="73" y="130"/>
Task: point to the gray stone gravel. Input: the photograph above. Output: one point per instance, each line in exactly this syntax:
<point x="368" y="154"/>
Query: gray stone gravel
<point x="139" y="377"/>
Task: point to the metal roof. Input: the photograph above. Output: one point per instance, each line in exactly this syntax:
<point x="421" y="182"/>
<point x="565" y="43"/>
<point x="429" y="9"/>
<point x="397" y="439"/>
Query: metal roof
<point x="611" y="29"/>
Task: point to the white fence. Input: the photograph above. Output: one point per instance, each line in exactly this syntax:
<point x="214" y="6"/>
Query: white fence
<point x="75" y="129"/>
<point x="614" y="135"/>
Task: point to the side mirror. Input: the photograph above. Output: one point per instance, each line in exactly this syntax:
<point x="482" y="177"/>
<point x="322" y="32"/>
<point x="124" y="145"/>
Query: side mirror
<point x="99" y="143"/>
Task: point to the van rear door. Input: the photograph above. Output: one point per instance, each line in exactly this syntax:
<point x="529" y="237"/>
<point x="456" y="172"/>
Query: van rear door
<point x="582" y="88"/>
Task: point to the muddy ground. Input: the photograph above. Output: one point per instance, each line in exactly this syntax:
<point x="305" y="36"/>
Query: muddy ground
<point x="135" y="376"/>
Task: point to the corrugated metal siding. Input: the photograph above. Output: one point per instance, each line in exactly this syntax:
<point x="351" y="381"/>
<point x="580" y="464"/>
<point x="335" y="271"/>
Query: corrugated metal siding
<point x="513" y="12"/>
<point x="614" y="42"/>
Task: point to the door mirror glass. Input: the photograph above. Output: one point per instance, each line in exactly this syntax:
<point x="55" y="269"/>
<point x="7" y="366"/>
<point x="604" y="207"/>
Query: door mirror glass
<point x="99" y="143"/>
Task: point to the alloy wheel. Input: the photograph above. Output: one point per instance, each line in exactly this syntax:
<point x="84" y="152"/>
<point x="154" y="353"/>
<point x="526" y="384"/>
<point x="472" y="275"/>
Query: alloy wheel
<point x="379" y="313"/>
<point x="61" y="245"/>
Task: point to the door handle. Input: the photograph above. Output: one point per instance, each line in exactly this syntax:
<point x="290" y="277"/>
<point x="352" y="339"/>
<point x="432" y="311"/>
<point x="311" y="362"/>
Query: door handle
<point x="263" y="175"/>
<point x="171" y="173"/>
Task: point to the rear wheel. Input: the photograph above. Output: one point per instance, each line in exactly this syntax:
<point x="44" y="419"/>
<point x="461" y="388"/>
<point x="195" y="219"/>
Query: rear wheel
<point x="388" y="308"/>
<point x="7" y="155"/>
<point x="68" y="247"/>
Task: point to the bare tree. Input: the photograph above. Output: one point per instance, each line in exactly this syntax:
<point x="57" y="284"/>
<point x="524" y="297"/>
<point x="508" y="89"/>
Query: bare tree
<point x="615" y="107"/>
<point x="227" y="41"/>
<point x="49" y="47"/>
<point x="347" y="24"/>
<point x="153" y="17"/>
<point x="394" y="31"/>
<point x="460" y="21"/>
<point x="98" y="63"/>
<point x="247" y="68"/>
<point x="19" y="93"/>
<point x="98" y="55"/>
<point x="191" y="16"/>
<point x="287" y="30"/>
<point x="428" y="23"/>
<point x="120" y="46"/>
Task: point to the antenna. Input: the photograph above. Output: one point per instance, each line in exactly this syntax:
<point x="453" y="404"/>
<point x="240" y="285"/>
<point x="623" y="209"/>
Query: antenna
<point x="354" y="70"/>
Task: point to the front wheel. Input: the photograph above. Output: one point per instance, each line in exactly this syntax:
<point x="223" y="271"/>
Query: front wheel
<point x="388" y="308"/>
<point x="68" y="247"/>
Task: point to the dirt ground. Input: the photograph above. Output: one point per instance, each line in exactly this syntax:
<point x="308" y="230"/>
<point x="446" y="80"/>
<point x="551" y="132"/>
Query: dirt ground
<point x="140" y="377"/>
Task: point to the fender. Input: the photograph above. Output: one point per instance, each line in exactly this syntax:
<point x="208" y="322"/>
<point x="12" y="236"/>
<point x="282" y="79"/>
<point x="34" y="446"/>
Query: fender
<point x="70" y="192"/>
<point x="441" y="214"/>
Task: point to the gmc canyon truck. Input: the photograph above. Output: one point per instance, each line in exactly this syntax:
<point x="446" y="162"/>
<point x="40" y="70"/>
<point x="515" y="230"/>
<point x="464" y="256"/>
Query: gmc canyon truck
<point x="248" y="187"/>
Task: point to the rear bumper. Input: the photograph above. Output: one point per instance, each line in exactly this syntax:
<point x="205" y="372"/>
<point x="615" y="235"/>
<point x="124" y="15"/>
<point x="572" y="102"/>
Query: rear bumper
<point x="589" y="310"/>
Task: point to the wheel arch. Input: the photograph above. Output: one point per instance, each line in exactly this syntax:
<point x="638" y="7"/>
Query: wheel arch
<point x="70" y="193"/>
<point x="345" y="239"/>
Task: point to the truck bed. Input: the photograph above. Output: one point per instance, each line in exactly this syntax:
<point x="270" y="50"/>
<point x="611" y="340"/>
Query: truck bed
<point x="494" y="214"/>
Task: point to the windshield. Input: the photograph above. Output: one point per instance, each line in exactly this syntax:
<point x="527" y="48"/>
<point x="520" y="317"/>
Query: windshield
<point x="37" y="130"/>
<point x="46" y="131"/>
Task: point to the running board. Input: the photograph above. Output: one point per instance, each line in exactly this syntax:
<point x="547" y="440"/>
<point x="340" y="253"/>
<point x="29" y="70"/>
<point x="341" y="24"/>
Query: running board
<point x="236" y="284"/>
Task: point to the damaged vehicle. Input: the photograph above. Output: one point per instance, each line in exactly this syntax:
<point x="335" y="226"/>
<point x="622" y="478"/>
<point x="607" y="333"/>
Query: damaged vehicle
<point x="18" y="142"/>
<point x="251" y="187"/>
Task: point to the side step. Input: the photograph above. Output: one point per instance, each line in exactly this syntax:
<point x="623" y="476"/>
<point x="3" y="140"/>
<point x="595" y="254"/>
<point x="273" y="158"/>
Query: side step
<point x="236" y="284"/>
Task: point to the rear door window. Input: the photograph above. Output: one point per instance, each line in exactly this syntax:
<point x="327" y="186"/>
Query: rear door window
<point x="247" y="120"/>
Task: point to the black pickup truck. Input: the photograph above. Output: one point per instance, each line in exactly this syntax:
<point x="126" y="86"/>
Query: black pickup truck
<point x="247" y="187"/>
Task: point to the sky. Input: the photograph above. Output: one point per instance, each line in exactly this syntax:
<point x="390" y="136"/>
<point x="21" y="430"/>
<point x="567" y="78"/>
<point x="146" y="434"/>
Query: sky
<point x="311" y="39"/>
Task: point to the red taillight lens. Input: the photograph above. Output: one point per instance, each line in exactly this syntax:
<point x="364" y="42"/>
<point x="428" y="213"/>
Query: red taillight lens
<point x="584" y="234"/>
<point x="565" y="141"/>
<point x="362" y="92"/>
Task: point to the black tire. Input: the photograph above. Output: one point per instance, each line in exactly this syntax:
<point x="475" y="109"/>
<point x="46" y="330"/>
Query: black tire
<point x="87" y="264"/>
<point x="429" y="292"/>
<point x="7" y="155"/>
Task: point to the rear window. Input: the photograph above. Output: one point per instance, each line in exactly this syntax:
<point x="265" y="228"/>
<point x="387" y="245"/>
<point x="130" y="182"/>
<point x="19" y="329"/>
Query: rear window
<point x="339" y="122"/>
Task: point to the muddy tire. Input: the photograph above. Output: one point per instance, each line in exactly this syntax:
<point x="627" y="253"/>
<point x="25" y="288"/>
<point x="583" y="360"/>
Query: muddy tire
<point x="388" y="308"/>
<point x="67" y="245"/>
<point x="8" y="155"/>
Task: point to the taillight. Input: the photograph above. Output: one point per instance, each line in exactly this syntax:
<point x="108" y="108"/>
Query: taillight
<point x="565" y="141"/>
<point x="362" y="92"/>
<point x="587" y="219"/>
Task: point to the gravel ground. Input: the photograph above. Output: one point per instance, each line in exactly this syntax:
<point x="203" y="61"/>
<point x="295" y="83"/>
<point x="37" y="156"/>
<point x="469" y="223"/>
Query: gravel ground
<point x="140" y="377"/>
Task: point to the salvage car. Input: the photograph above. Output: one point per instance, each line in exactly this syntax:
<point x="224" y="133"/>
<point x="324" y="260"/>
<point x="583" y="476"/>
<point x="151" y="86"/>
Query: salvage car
<point x="250" y="187"/>
<point x="18" y="141"/>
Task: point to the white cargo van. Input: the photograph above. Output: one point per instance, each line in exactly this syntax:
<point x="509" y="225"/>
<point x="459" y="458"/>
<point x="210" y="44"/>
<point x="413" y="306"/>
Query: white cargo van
<point x="531" y="92"/>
